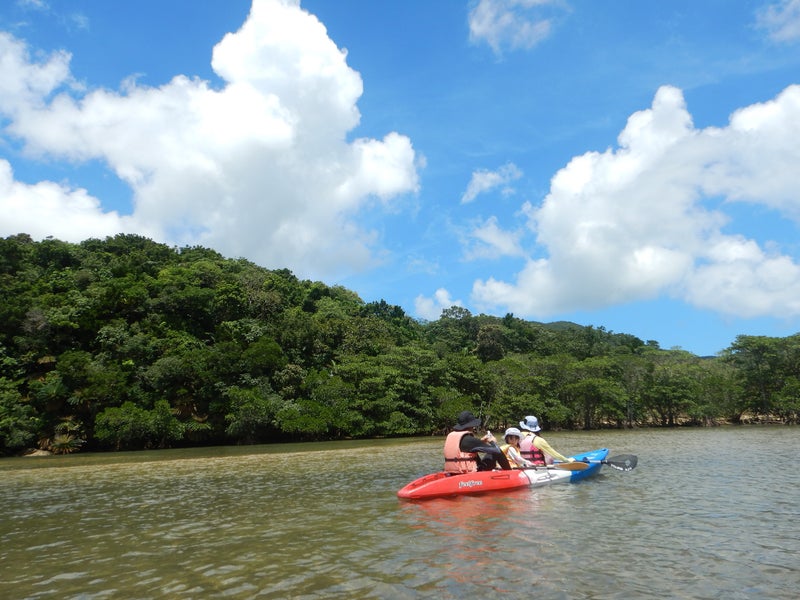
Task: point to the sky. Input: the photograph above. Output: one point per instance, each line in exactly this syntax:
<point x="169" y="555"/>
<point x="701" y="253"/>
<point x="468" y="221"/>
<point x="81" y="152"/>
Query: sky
<point x="627" y="165"/>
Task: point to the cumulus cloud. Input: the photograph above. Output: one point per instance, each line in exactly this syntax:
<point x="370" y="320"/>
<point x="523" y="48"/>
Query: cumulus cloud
<point x="260" y="168"/>
<point x="484" y="180"/>
<point x="781" y="20"/>
<point x="33" y="208"/>
<point x="431" y="308"/>
<point x="645" y="219"/>
<point x="513" y="24"/>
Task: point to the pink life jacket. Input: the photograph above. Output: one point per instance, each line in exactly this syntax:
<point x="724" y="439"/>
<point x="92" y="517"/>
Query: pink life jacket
<point x="531" y="452"/>
<point x="456" y="461"/>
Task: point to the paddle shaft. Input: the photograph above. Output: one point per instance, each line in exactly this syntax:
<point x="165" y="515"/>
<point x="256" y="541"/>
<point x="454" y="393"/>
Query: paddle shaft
<point x="573" y="466"/>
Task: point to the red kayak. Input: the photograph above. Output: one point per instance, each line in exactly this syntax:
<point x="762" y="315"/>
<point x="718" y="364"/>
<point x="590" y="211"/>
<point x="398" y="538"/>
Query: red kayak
<point x="440" y="484"/>
<point x="437" y="485"/>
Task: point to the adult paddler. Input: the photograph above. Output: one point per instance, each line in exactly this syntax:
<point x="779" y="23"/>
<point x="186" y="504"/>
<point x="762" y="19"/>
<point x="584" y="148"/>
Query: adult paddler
<point x="534" y="447"/>
<point x="463" y="450"/>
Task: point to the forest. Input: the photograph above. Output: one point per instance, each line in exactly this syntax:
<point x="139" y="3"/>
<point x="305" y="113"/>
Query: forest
<point x="125" y="344"/>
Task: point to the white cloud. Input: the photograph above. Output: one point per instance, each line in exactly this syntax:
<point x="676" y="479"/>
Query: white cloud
<point x="259" y="168"/>
<point x="35" y="4"/>
<point x="489" y="240"/>
<point x="420" y="264"/>
<point x="781" y="20"/>
<point x="633" y="223"/>
<point x="515" y="24"/>
<point x="431" y="308"/>
<point x="745" y="281"/>
<point x="24" y="85"/>
<point x="33" y="209"/>
<point x="79" y="21"/>
<point x="483" y="181"/>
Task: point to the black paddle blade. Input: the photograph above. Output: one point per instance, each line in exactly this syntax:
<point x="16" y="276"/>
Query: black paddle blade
<point x="623" y="462"/>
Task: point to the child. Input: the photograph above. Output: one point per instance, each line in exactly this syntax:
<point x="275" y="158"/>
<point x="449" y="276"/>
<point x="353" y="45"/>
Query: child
<point x="511" y="449"/>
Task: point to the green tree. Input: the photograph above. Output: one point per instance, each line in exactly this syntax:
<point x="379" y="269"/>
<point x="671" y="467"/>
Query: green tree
<point x="19" y="423"/>
<point x="518" y="389"/>
<point x="124" y="427"/>
<point x="332" y="392"/>
<point x="758" y="363"/>
<point x="165" y="428"/>
<point x="672" y="387"/>
<point x="490" y="343"/>
<point x="251" y="415"/>
<point x="132" y="427"/>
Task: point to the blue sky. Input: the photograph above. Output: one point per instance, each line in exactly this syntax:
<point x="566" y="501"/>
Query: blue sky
<point x="631" y="165"/>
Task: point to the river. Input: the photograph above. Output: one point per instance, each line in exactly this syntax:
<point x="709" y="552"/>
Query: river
<point x="708" y="513"/>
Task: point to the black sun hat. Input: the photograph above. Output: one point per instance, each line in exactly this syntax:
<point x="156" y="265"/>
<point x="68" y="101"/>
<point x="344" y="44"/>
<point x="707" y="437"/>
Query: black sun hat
<point x="466" y="420"/>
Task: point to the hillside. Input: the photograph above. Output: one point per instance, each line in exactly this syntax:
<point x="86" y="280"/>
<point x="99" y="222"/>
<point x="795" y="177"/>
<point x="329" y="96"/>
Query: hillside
<point x="125" y="343"/>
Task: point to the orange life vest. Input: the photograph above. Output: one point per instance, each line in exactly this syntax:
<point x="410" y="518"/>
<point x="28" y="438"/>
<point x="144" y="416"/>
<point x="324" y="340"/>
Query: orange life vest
<point x="456" y="461"/>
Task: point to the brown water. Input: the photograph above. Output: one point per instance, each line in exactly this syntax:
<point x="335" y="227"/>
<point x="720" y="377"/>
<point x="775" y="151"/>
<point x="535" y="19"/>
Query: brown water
<point x="711" y="513"/>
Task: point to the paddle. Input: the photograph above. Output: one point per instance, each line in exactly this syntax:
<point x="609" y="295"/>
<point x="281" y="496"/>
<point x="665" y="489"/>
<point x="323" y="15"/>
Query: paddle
<point x="623" y="462"/>
<point x="567" y="466"/>
<point x="570" y="466"/>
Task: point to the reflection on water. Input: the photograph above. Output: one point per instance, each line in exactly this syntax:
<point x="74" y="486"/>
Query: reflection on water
<point x="706" y="514"/>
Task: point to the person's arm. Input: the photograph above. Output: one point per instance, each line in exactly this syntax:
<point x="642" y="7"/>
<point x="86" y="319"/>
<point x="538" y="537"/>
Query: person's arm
<point x="485" y="447"/>
<point x="473" y="444"/>
<point x="542" y="445"/>
<point x="515" y="457"/>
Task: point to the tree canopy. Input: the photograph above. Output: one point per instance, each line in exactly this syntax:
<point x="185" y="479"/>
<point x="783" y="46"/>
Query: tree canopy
<point x="125" y="343"/>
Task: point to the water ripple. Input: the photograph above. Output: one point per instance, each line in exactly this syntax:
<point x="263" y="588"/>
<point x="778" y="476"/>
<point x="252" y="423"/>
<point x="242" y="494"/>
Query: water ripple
<point x="323" y="521"/>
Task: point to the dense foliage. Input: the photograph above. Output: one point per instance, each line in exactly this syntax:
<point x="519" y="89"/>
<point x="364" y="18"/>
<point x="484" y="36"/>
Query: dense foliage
<point x="124" y="343"/>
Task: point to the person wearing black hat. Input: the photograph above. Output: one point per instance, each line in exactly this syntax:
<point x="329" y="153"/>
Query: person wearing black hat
<point x="461" y="448"/>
